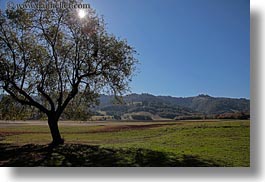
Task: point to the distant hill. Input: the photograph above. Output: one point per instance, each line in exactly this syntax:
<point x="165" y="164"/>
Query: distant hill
<point x="210" y="105"/>
<point x="158" y="107"/>
<point x="146" y="107"/>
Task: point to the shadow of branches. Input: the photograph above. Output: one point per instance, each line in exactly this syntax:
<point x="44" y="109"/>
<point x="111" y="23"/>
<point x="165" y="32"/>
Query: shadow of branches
<point x="76" y="155"/>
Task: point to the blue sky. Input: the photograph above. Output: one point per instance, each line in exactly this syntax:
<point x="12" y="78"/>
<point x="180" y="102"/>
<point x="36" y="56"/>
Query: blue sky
<point x="186" y="47"/>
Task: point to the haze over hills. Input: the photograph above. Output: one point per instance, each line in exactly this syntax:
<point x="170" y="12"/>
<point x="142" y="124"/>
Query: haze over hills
<point x="142" y="107"/>
<point x="155" y="107"/>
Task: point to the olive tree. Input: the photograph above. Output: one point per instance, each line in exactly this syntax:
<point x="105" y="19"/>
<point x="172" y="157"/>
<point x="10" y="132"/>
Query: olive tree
<point x="50" y="55"/>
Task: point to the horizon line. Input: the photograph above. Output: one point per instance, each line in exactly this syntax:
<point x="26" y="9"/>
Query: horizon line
<point x="165" y="95"/>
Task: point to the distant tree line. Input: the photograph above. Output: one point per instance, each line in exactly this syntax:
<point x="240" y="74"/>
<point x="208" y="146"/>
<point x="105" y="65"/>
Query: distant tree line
<point x="234" y="115"/>
<point x="80" y="110"/>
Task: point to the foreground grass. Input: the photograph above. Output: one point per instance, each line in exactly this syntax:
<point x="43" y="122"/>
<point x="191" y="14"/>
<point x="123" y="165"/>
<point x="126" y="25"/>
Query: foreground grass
<point x="78" y="155"/>
<point x="224" y="143"/>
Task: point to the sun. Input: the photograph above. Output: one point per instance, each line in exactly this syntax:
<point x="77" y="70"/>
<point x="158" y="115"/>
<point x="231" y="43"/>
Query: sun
<point x="81" y="13"/>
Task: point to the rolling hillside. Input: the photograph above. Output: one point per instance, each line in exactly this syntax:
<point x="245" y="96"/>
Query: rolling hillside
<point x="141" y="107"/>
<point x="147" y="106"/>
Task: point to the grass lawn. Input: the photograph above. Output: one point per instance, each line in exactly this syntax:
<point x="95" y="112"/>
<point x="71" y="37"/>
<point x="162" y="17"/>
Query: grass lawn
<point x="189" y="143"/>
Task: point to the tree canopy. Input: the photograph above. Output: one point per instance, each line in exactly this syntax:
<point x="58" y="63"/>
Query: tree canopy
<point x="50" y="55"/>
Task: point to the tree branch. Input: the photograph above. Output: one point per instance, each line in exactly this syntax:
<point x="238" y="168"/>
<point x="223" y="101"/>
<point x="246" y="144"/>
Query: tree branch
<point x="30" y="99"/>
<point x="47" y="97"/>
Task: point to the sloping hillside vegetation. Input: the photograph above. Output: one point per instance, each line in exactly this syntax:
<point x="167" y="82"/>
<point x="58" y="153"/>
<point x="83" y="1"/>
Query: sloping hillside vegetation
<point x="167" y="107"/>
<point x="139" y="107"/>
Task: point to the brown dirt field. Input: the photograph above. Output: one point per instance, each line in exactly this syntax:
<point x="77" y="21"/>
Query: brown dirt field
<point x="128" y="127"/>
<point x="113" y="126"/>
<point x="100" y="130"/>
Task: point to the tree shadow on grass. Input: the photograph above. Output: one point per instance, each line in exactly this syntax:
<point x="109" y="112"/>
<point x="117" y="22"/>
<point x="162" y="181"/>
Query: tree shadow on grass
<point x="76" y="155"/>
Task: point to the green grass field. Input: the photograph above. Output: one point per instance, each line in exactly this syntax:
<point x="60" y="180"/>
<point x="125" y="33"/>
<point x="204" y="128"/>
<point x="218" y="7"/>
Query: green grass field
<point x="189" y="143"/>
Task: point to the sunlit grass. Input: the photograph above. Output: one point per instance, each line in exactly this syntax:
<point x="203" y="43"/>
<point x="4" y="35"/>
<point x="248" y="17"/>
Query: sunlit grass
<point x="226" y="143"/>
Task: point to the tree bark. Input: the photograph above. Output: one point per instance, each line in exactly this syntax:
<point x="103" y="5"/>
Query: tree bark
<point x="53" y="125"/>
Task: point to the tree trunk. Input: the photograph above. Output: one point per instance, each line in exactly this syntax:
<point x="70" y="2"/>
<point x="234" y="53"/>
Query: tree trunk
<point x="53" y="125"/>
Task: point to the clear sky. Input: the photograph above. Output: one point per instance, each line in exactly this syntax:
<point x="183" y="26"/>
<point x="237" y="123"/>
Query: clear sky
<point x="186" y="47"/>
